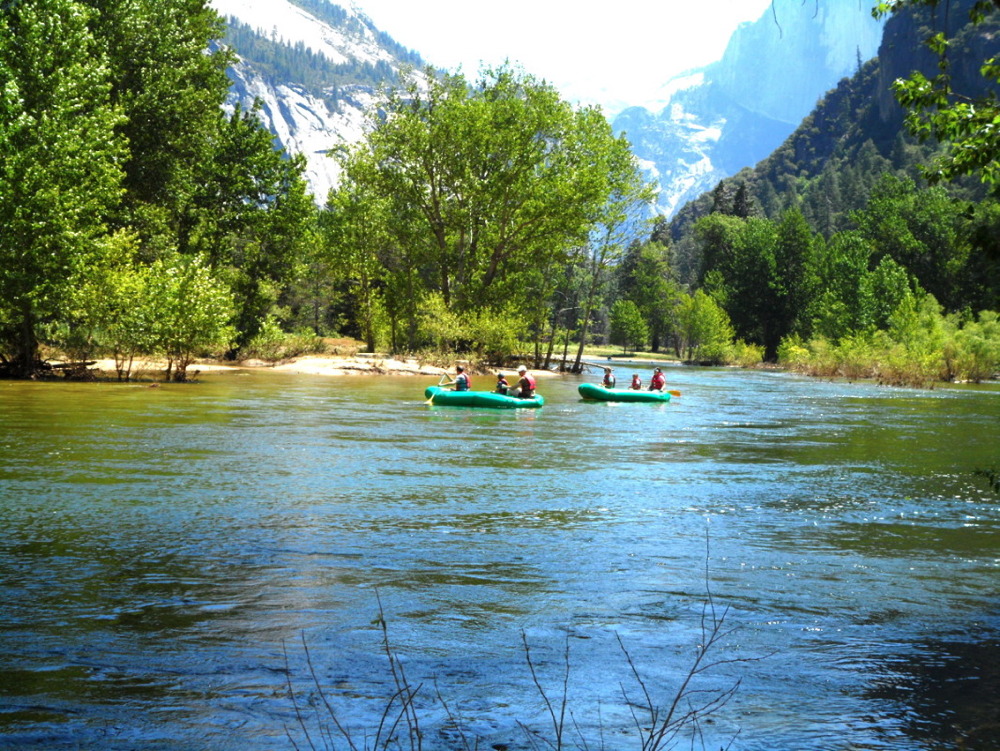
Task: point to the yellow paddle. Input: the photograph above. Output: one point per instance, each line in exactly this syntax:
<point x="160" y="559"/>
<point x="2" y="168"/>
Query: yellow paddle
<point x="439" y="383"/>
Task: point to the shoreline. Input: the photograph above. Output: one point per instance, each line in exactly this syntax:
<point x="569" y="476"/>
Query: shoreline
<point x="322" y="365"/>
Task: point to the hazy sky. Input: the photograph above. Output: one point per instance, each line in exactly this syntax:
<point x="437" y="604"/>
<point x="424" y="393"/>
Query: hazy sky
<point x="605" y="52"/>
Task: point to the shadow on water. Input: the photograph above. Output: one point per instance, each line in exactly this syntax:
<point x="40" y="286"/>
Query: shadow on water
<point x="948" y="691"/>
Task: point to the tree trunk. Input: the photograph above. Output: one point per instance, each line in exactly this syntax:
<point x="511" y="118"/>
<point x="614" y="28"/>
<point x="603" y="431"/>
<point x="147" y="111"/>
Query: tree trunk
<point x="588" y="309"/>
<point x="26" y="349"/>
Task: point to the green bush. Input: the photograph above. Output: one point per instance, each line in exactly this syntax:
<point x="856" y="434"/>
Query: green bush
<point x="920" y="346"/>
<point x="493" y="335"/>
<point x="271" y="344"/>
<point x="973" y="353"/>
<point x="744" y="355"/>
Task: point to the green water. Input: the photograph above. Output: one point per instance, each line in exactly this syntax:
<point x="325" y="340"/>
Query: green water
<point x="165" y="550"/>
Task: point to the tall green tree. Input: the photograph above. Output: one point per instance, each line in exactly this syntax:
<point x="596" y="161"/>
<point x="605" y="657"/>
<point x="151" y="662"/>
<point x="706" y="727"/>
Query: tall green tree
<point x="646" y="277"/>
<point x="249" y="215"/>
<point x="355" y="239"/>
<point x="740" y="255"/>
<point x="621" y="222"/>
<point x="627" y="325"/>
<point x="703" y="328"/>
<point x="61" y="164"/>
<point x="923" y="230"/>
<point x="198" y="180"/>
<point x="792" y="284"/>
<point x="169" y="78"/>
<point x="856" y="292"/>
<point x="489" y="186"/>
<point x="191" y="311"/>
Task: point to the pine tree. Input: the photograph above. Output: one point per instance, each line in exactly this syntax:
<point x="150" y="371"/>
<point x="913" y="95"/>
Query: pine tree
<point x="741" y="202"/>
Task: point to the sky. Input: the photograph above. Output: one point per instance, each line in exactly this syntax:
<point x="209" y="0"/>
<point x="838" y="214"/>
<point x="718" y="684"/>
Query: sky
<point x="610" y="53"/>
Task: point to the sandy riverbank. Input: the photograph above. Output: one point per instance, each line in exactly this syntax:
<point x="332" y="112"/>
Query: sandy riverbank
<point x="324" y="365"/>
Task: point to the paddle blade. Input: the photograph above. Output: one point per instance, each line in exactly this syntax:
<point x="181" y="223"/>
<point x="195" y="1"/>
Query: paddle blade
<point x="674" y="393"/>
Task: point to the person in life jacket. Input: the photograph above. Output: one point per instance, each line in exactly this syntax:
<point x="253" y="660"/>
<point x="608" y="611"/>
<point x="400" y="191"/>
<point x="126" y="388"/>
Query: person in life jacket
<point x="525" y="384"/>
<point x="658" y="381"/>
<point x="461" y="381"/>
<point x="636" y="384"/>
<point x="502" y="385"/>
<point x="608" y="381"/>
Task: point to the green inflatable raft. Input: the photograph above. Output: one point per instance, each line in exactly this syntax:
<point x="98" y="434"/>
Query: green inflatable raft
<point x="446" y="397"/>
<point x="593" y="392"/>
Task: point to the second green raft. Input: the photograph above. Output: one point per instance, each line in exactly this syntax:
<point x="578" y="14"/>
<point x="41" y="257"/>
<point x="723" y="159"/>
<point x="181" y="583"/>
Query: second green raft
<point x="593" y="392"/>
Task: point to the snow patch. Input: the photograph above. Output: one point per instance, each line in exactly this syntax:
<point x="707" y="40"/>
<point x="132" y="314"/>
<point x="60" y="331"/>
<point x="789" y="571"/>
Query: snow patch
<point x="283" y="22"/>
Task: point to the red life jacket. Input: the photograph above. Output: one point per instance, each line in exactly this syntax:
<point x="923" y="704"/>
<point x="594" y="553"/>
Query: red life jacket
<point x="463" y="377"/>
<point x="531" y="386"/>
<point x="658" y="381"/>
<point x="609" y="381"/>
<point x="637" y="383"/>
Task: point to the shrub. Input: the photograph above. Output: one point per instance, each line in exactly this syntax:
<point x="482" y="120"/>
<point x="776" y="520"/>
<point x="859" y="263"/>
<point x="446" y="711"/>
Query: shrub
<point x="271" y="344"/>
<point x="744" y="355"/>
<point x="973" y="353"/>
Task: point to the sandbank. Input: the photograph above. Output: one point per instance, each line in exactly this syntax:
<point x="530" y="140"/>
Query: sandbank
<point x="322" y="365"/>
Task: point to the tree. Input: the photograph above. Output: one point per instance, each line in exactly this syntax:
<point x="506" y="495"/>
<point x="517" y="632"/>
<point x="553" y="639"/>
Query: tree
<point x="60" y="176"/>
<point x="627" y="326"/>
<point x="169" y="78"/>
<point x="740" y="255"/>
<point x="853" y="297"/>
<point x="620" y="224"/>
<point x="355" y="234"/>
<point x="110" y="307"/>
<point x="704" y="330"/>
<point x="489" y="186"/>
<point x="925" y="231"/>
<point x="191" y="311"/>
<point x="792" y="285"/>
<point x="968" y="124"/>
<point x="742" y="206"/>
<point x="249" y="214"/>
<point x="646" y="277"/>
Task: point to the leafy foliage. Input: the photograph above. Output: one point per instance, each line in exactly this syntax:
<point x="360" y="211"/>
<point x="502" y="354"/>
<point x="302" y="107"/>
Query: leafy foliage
<point x="477" y="195"/>
<point x="61" y="169"/>
<point x="191" y="310"/>
<point x="627" y="325"/>
<point x="117" y="158"/>
<point x="704" y="328"/>
<point x="938" y="108"/>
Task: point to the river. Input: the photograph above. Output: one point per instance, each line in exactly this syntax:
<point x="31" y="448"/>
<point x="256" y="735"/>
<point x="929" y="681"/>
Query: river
<point x="173" y="559"/>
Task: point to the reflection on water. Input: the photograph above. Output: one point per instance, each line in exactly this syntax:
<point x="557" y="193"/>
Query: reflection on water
<point x="165" y="551"/>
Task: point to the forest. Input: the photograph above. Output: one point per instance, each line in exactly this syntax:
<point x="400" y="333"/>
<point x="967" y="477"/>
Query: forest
<point x="486" y="218"/>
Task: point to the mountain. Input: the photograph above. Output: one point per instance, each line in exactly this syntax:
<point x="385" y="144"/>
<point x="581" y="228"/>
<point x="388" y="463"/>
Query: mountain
<point x="733" y="113"/>
<point x="314" y="67"/>
<point x="830" y="164"/>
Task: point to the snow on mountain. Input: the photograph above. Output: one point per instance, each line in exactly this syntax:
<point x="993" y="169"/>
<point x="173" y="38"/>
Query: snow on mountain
<point x="282" y="21"/>
<point x="714" y="122"/>
<point x="733" y="113"/>
<point x="303" y="121"/>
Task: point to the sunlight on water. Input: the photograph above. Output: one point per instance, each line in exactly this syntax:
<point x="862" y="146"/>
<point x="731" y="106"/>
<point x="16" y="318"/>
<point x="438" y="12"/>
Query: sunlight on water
<point x="165" y="552"/>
